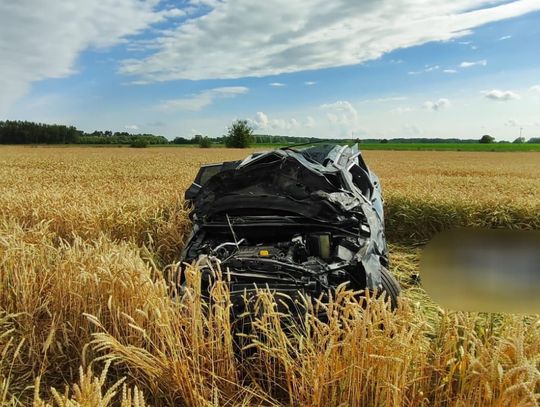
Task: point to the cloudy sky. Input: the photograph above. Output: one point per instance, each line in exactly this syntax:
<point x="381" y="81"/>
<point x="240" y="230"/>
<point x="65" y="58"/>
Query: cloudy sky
<point x="361" y="68"/>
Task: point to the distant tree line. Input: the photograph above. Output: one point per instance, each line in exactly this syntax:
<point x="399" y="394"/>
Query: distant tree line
<point x="239" y="135"/>
<point x="108" y="137"/>
<point x="416" y="140"/>
<point x="197" y="139"/>
<point x="24" y="132"/>
<point x="271" y="139"/>
<point x="289" y="140"/>
<point x="18" y="132"/>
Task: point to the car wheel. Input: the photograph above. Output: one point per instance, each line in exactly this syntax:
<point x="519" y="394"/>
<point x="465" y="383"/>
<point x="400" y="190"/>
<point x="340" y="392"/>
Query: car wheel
<point x="390" y="287"/>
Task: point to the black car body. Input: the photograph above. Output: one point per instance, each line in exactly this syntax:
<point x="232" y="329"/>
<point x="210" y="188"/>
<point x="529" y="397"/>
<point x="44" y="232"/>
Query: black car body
<point x="293" y="220"/>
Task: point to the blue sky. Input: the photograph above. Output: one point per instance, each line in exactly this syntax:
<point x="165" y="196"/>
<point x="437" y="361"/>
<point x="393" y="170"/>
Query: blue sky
<point x="387" y="68"/>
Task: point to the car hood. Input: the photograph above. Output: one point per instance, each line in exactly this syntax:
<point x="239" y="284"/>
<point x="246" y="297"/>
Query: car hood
<point x="281" y="181"/>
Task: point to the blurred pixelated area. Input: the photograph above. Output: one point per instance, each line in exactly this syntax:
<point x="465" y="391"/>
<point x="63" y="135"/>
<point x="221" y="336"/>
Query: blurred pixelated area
<point x="483" y="270"/>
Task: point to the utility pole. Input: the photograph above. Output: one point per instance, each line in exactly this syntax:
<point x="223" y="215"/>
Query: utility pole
<point x="520" y="131"/>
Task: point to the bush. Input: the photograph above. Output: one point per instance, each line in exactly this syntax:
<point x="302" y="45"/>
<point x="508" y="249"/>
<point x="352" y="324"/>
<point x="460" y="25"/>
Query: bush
<point x="205" y="142"/>
<point x="239" y="135"/>
<point x="139" y="143"/>
<point x="486" y="139"/>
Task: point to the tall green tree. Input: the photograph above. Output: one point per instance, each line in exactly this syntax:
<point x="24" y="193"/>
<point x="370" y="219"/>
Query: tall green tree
<point x="487" y="139"/>
<point x="205" y="142"/>
<point x="239" y="135"/>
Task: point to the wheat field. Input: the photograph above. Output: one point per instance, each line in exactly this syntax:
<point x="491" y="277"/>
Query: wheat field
<point x="87" y="319"/>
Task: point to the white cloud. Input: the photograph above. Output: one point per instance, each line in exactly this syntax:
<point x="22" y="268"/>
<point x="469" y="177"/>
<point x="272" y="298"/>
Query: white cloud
<point x="277" y="84"/>
<point x="449" y="71"/>
<point x="515" y="123"/>
<point x="427" y="68"/>
<point x="312" y="34"/>
<point x="173" y="12"/>
<point x="342" y="117"/>
<point x="310" y="83"/>
<point x="385" y="99"/>
<point x="209" y="3"/>
<point x="344" y="109"/>
<point x="42" y="40"/>
<point x="440" y="104"/>
<point x="261" y="122"/>
<point x="339" y="119"/>
<point x="411" y="130"/>
<point x="131" y="127"/>
<point x="535" y="88"/>
<point x="202" y="99"/>
<point x="501" y="95"/>
<point x="505" y="37"/>
<point x="430" y="68"/>
<point x="469" y="64"/>
<point x="403" y="110"/>
<point x="511" y="123"/>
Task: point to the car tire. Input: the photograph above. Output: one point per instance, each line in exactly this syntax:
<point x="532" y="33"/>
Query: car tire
<point x="390" y="287"/>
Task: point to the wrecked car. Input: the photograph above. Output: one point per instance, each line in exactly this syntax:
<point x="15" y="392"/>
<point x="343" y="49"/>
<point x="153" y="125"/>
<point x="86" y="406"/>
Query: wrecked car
<point x="292" y="220"/>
